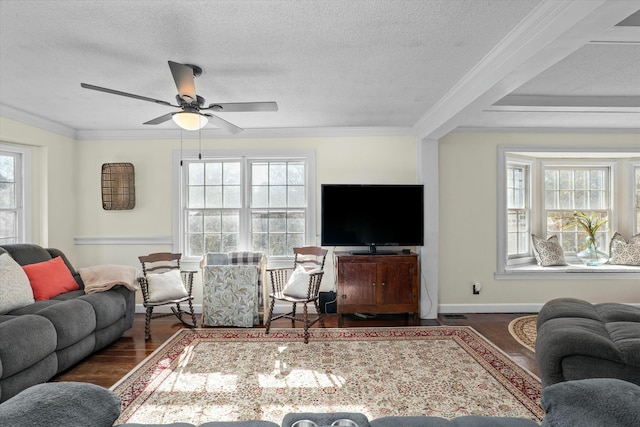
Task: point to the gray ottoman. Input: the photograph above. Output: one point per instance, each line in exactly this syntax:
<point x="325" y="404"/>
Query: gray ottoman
<point x="579" y="340"/>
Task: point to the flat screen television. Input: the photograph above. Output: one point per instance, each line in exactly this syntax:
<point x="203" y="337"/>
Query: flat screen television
<point x="372" y="215"/>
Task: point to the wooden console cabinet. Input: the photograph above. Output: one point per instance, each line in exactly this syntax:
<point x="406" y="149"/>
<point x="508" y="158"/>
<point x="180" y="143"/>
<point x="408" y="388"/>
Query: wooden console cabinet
<point x="377" y="284"/>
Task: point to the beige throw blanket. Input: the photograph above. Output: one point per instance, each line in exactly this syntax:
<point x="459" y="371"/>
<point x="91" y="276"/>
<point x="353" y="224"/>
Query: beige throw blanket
<point x="100" y="278"/>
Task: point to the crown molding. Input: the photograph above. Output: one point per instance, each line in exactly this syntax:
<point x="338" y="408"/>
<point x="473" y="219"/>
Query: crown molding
<point x="95" y="135"/>
<point x="36" y="121"/>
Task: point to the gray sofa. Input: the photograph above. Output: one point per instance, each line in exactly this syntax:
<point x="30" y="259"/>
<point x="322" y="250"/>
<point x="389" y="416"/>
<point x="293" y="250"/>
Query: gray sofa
<point x="577" y="339"/>
<point x="586" y="403"/>
<point x="45" y="338"/>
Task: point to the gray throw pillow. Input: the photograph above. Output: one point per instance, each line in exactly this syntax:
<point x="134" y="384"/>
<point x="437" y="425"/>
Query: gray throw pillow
<point x="549" y="252"/>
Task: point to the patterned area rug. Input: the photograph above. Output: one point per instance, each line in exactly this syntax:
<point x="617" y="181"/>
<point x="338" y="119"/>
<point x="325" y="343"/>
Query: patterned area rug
<point x="203" y="375"/>
<point x="523" y="329"/>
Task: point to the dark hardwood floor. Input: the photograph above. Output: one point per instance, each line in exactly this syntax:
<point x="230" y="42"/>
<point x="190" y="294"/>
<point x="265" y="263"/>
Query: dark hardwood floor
<point x="107" y="366"/>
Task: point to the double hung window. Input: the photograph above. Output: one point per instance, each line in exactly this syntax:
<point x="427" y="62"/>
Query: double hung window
<point x="12" y="212"/>
<point x="576" y="188"/>
<point x="246" y="203"/>
<point x="518" y="209"/>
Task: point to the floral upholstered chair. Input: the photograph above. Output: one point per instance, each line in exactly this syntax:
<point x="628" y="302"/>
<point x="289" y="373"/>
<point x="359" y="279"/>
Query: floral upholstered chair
<point x="232" y="288"/>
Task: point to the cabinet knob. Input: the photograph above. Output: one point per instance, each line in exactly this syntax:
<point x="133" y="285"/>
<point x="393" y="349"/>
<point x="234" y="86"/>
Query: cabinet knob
<point x="373" y="284"/>
<point x="383" y="284"/>
<point x="344" y="296"/>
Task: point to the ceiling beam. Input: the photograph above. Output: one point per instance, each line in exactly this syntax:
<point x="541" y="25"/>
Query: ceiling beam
<point x="551" y="32"/>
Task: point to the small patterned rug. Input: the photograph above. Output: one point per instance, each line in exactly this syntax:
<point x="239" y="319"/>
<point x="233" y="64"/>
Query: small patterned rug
<point x="202" y="375"/>
<point x="523" y="329"/>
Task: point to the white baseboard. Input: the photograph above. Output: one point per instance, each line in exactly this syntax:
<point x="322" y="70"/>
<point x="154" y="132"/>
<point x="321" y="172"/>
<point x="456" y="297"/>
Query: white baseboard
<point x="490" y="308"/>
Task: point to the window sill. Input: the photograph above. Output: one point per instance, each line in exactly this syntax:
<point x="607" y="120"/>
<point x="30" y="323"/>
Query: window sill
<point x="571" y="271"/>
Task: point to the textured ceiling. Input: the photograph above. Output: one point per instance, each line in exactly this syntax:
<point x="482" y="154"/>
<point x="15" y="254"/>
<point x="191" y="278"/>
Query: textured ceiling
<point x="366" y="63"/>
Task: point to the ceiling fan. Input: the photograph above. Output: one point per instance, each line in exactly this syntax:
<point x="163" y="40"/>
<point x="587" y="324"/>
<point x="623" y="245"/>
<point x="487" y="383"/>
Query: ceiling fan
<point x="191" y="117"/>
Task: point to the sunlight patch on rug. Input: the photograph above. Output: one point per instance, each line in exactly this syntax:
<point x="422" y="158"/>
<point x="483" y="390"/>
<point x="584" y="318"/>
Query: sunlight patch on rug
<point x="202" y="375"/>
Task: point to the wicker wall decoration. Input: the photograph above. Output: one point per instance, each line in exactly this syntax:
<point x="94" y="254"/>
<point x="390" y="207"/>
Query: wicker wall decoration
<point x="118" y="186"/>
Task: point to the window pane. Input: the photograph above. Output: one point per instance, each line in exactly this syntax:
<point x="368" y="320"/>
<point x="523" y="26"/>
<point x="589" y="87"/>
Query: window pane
<point x="277" y="222"/>
<point x="232" y="196"/>
<point x="212" y="222"/>
<point x="231" y="173"/>
<point x="195" y="244"/>
<point x="277" y="196"/>
<point x="296" y="197"/>
<point x="277" y="173"/>
<point x="7" y="169"/>
<point x="231" y="221"/>
<point x="295" y="222"/>
<point x="213" y="243"/>
<point x="259" y="222"/>
<point x="196" y="173"/>
<point x="196" y="197"/>
<point x="259" y="174"/>
<point x="213" y="197"/>
<point x="8" y="225"/>
<point x="194" y="220"/>
<point x="277" y="244"/>
<point x="7" y="195"/>
<point x="213" y="173"/>
<point x="295" y="175"/>
<point x="260" y="197"/>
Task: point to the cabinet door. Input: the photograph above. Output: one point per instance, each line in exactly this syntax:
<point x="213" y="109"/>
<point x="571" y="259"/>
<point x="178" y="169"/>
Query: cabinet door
<point x="357" y="283"/>
<point x="397" y="281"/>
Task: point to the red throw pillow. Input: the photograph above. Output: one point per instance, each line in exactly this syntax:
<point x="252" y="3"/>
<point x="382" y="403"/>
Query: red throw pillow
<point x="50" y="278"/>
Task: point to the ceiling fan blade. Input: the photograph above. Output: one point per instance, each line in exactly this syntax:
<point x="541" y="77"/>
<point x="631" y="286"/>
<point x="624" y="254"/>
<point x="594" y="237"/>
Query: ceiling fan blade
<point x="130" y="95"/>
<point x="217" y="121"/>
<point x="160" y="119"/>
<point x="243" y="106"/>
<point x="183" y="76"/>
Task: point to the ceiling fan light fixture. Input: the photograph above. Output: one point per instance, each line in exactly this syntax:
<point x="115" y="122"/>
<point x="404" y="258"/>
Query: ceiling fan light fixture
<point x="190" y="121"/>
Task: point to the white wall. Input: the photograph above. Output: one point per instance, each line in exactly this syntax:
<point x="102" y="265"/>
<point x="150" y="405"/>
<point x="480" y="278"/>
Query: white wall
<point x="468" y="248"/>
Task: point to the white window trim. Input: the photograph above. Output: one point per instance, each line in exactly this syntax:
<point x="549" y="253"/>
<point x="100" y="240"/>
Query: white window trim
<point x="533" y="271"/>
<point x="178" y="212"/>
<point x="633" y="227"/>
<point x="24" y="218"/>
<point x="533" y="214"/>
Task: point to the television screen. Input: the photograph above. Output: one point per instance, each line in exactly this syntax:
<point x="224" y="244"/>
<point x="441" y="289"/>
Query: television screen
<point x="372" y="215"/>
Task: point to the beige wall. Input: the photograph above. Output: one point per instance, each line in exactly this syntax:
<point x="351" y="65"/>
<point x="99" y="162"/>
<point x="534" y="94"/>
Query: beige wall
<point x="467" y="206"/>
<point x="66" y="200"/>
<point x="53" y="180"/>
<point x="338" y="160"/>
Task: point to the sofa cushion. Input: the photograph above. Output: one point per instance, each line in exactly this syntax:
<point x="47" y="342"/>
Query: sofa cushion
<point x="73" y="320"/>
<point x="591" y="402"/>
<point x="109" y="307"/>
<point x="15" y="290"/>
<point x="68" y="404"/>
<point x="32" y="338"/>
<point x="50" y="278"/>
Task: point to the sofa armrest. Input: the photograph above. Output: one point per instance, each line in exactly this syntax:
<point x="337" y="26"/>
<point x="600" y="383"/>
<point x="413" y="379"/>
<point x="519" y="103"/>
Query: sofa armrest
<point x="592" y="402"/>
<point x="69" y="404"/>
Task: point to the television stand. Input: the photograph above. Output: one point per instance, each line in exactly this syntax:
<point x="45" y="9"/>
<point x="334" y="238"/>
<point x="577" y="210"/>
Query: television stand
<point x="377" y="284"/>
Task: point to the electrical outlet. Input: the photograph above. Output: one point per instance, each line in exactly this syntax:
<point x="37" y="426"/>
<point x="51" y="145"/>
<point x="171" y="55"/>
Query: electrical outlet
<point x="476" y="288"/>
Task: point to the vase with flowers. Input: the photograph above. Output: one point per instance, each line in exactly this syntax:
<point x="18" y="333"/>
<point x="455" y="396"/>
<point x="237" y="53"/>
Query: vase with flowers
<point x="590" y="224"/>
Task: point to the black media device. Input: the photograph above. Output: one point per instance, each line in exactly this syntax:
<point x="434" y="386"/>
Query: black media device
<point x="372" y="215"/>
